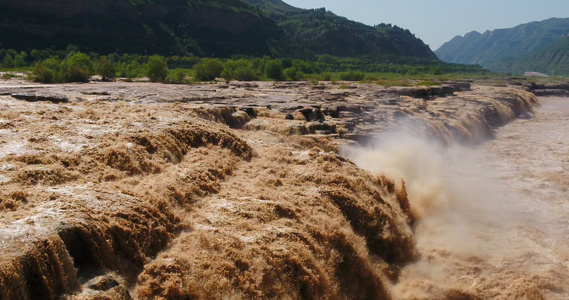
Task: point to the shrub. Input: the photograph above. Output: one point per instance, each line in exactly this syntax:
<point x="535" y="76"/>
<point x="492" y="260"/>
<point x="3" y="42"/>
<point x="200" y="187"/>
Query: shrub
<point x="292" y="74"/>
<point x="77" y="67"/>
<point x="326" y="76"/>
<point x="75" y="74"/>
<point x="177" y="76"/>
<point x="20" y="60"/>
<point x="227" y="74"/>
<point x="157" y="68"/>
<point x="244" y="73"/>
<point x="274" y="70"/>
<point x="8" y="62"/>
<point x="131" y="70"/>
<point x="352" y="76"/>
<point x="48" y="71"/>
<point x="241" y="69"/>
<point x="437" y="71"/>
<point x="106" y="68"/>
<point x="208" y="69"/>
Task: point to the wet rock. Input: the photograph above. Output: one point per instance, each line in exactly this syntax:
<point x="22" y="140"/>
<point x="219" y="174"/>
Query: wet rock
<point x="100" y="93"/>
<point x="102" y="283"/>
<point x="250" y="111"/>
<point x="312" y="114"/>
<point x="33" y="97"/>
<point x="318" y="115"/>
<point x="459" y="86"/>
<point x="551" y="92"/>
<point x="448" y="89"/>
<point x="105" y="287"/>
<point x="331" y="110"/>
<point x="318" y="87"/>
<point x="412" y="91"/>
<point x="306" y="113"/>
<point x="435" y="90"/>
<point x="357" y="109"/>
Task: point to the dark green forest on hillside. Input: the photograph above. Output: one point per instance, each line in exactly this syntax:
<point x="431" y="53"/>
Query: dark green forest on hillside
<point x="206" y="28"/>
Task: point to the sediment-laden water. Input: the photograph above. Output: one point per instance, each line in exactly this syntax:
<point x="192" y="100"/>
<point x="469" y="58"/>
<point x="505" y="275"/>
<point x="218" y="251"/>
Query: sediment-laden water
<point x="153" y="192"/>
<point x="493" y="219"/>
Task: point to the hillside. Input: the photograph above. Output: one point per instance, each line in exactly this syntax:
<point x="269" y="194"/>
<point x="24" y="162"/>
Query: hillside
<point x="324" y="32"/>
<point x="219" y="28"/>
<point x="206" y="28"/>
<point x="551" y="60"/>
<point x="498" y="49"/>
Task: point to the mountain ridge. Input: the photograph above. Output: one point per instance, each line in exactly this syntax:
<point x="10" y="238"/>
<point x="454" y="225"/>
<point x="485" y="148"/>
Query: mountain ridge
<point x="322" y="31"/>
<point x="498" y="49"/>
<point x="207" y="28"/>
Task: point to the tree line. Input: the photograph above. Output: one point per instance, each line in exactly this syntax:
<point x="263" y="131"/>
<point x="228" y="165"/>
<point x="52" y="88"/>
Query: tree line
<point x="71" y="65"/>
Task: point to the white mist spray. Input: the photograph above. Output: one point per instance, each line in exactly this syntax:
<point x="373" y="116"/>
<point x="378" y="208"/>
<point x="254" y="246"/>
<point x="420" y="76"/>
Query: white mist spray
<point x="453" y="192"/>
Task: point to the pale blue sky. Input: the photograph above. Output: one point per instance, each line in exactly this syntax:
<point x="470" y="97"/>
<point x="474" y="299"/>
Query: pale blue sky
<point x="438" y="21"/>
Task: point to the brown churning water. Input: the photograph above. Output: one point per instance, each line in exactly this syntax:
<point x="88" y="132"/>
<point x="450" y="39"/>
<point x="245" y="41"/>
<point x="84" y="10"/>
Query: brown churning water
<point x="492" y="219"/>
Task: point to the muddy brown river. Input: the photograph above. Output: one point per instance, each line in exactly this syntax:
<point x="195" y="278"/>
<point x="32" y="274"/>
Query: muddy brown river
<point x="494" y="219"/>
<point x="145" y="191"/>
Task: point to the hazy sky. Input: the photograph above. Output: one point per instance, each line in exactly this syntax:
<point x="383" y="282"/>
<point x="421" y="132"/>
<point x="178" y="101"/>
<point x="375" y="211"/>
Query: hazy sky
<point x="438" y="21"/>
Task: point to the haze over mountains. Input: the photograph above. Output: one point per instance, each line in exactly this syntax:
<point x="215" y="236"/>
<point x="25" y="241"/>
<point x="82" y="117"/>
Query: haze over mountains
<point x="536" y="46"/>
<point x="219" y="28"/>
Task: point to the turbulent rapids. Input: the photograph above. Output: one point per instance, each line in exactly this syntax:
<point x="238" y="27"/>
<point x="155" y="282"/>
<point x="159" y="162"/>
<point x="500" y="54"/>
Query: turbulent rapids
<point x="284" y="191"/>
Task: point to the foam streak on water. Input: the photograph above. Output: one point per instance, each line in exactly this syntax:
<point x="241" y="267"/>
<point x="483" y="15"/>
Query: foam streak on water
<point x="493" y="220"/>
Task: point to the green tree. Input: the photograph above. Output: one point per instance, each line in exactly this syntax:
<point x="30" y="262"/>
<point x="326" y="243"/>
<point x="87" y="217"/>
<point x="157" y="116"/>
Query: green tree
<point x="36" y="54"/>
<point x="176" y="76"/>
<point x="20" y="60"/>
<point x="437" y="70"/>
<point x="245" y="73"/>
<point x="8" y="62"/>
<point x="292" y="74"/>
<point x="274" y="70"/>
<point x="208" y="69"/>
<point x="157" y="68"/>
<point x="352" y="76"/>
<point x="48" y="71"/>
<point x="106" y="69"/>
<point x="78" y="67"/>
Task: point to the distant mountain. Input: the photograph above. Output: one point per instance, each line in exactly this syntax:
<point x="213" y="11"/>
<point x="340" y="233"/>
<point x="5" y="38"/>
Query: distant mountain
<point x="497" y="50"/>
<point x="323" y="32"/>
<point x="551" y="60"/>
<point x="219" y="28"/>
